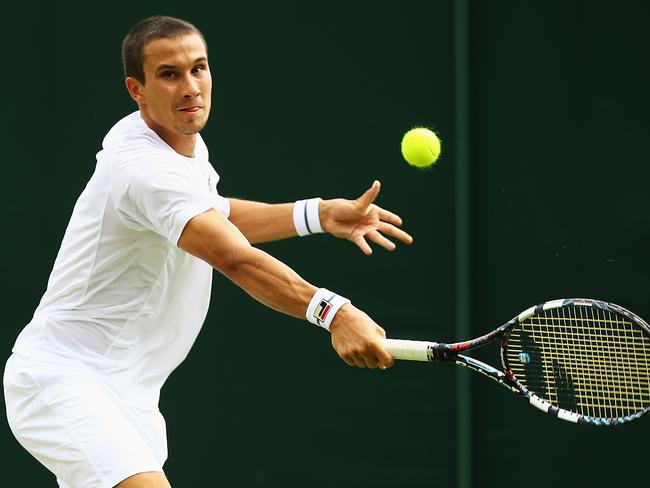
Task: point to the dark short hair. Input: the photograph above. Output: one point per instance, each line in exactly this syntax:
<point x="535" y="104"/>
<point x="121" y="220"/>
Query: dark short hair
<point x="147" y="30"/>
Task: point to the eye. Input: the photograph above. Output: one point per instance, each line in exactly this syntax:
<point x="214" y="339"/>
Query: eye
<point x="170" y="75"/>
<point x="199" y="68"/>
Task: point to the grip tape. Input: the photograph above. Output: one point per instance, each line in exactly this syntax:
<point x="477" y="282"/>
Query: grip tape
<point x="409" y="350"/>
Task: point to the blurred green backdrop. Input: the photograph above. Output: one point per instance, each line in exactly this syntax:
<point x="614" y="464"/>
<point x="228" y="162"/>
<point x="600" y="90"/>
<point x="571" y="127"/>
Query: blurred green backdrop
<point x="311" y="98"/>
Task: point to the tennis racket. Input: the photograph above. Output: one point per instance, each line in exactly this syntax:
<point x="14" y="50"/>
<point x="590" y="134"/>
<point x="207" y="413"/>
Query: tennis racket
<point x="580" y="360"/>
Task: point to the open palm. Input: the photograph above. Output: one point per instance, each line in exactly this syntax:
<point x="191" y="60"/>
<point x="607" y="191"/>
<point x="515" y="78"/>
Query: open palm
<point x="360" y="219"/>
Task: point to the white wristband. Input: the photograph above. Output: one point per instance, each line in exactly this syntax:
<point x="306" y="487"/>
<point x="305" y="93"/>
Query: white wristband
<point x="323" y="307"/>
<point x="306" y="218"/>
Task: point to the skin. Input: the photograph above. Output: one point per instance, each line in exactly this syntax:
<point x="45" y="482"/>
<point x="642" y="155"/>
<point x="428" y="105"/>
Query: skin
<point x="174" y="101"/>
<point x="220" y="242"/>
<point x="145" y="480"/>
<point x="354" y="220"/>
<point x="175" y="98"/>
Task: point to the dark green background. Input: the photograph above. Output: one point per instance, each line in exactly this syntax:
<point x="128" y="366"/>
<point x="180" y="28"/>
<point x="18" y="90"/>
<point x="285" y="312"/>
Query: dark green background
<point x="312" y="99"/>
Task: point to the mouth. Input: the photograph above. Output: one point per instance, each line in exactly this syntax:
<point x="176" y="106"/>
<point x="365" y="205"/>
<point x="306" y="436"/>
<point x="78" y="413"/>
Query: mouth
<point x="191" y="110"/>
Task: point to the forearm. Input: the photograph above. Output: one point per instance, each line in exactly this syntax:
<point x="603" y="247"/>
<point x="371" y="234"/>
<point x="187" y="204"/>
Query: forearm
<point x="262" y="222"/>
<point x="270" y="282"/>
<point x="355" y="336"/>
<point x="212" y="238"/>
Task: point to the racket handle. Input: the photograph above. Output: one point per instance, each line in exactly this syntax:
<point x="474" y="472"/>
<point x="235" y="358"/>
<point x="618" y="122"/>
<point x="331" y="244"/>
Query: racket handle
<point x="409" y="350"/>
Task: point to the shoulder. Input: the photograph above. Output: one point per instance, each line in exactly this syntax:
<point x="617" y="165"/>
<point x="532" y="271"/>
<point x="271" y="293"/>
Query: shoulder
<point x="131" y="136"/>
<point x="132" y="147"/>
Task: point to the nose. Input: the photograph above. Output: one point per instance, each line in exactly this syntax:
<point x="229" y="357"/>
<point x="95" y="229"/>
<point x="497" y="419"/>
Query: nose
<point x="191" y="87"/>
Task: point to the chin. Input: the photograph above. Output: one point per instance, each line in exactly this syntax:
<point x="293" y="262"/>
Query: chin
<point x="186" y="131"/>
<point x="190" y="129"/>
<point x="191" y="126"/>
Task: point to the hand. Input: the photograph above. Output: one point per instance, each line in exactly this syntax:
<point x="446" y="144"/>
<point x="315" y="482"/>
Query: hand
<point x="359" y="219"/>
<point x="356" y="338"/>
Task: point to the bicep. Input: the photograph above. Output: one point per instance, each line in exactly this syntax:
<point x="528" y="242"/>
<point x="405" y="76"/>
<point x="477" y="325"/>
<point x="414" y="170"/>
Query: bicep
<point x="246" y="214"/>
<point x="214" y="239"/>
<point x="262" y="222"/>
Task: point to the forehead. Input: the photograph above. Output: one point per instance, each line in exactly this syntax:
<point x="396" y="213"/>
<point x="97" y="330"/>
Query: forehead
<point x="174" y="51"/>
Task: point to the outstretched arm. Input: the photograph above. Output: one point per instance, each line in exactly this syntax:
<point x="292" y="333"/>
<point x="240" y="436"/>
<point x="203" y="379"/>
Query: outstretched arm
<point x="262" y="222"/>
<point x="355" y="220"/>
<point x="211" y="237"/>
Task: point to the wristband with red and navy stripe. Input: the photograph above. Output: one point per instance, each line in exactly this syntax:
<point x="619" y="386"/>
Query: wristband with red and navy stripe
<point x="323" y="307"/>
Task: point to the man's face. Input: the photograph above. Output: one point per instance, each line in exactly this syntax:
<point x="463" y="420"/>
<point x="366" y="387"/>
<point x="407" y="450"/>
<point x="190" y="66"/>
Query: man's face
<point x="175" y="98"/>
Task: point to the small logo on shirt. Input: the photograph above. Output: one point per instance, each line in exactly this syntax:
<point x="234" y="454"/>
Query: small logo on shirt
<point x="213" y="181"/>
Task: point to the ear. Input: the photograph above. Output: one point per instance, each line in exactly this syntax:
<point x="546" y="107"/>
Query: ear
<point x="134" y="87"/>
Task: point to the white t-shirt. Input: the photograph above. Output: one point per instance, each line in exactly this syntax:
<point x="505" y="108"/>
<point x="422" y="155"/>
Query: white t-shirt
<point x="123" y="300"/>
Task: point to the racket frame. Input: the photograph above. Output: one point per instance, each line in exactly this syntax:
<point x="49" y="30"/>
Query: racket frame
<point x="434" y="351"/>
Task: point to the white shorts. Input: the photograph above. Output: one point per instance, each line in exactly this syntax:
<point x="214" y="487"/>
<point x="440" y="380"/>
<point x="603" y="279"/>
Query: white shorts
<point x="78" y="427"/>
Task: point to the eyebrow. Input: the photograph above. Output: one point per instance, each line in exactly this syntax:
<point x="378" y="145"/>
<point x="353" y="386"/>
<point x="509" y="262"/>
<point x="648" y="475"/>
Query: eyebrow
<point x="162" y="67"/>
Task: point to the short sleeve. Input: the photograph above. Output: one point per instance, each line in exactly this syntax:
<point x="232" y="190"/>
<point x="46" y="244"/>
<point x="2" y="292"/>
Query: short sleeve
<point x="161" y="196"/>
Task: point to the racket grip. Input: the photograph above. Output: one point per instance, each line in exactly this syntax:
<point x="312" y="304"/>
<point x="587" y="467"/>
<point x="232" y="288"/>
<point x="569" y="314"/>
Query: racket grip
<point x="409" y="350"/>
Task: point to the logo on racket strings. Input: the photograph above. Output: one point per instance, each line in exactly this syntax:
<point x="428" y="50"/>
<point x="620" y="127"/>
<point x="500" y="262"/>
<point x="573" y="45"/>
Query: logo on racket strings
<point x="322" y="309"/>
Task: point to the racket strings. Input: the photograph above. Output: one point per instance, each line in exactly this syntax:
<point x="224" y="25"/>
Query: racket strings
<point x="584" y="359"/>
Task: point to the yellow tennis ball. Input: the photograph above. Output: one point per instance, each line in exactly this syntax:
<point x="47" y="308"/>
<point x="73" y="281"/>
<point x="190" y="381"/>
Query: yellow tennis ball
<point x="420" y="147"/>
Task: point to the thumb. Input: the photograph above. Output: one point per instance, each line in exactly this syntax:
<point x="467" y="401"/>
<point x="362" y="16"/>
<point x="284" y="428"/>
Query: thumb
<point x="369" y="196"/>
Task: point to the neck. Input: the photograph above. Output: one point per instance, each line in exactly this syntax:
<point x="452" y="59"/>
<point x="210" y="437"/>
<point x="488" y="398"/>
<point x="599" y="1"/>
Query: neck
<point x="183" y="144"/>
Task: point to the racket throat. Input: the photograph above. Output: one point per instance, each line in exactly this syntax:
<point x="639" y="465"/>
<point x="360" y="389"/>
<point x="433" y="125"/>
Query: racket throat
<point x="441" y="352"/>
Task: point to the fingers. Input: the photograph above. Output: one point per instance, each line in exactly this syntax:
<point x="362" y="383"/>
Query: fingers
<point x="363" y="245"/>
<point x="367" y="361"/>
<point x="348" y="361"/>
<point x="385" y="358"/>
<point x="360" y="362"/>
<point x="377" y="238"/>
<point x="369" y="196"/>
<point x="393" y="231"/>
<point x="358" y="339"/>
<point x="386" y="243"/>
<point x="388" y="216"/>
<point x="373" y="356"/>
<point x="389" y="223"/>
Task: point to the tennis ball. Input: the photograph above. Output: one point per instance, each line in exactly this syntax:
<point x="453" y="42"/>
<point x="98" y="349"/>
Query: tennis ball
<point x="420" y="147"/>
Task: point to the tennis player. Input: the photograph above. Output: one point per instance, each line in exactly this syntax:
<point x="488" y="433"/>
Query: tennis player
<point x="130" y="286"/>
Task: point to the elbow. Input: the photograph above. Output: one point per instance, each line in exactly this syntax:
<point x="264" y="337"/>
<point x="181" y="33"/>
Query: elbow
<point x="233" y="262"/>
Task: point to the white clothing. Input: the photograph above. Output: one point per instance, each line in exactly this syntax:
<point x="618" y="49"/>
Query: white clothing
<point x="122" y="298"/>
<point x="123" y="304"/>
<point x="77" y="427"/>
